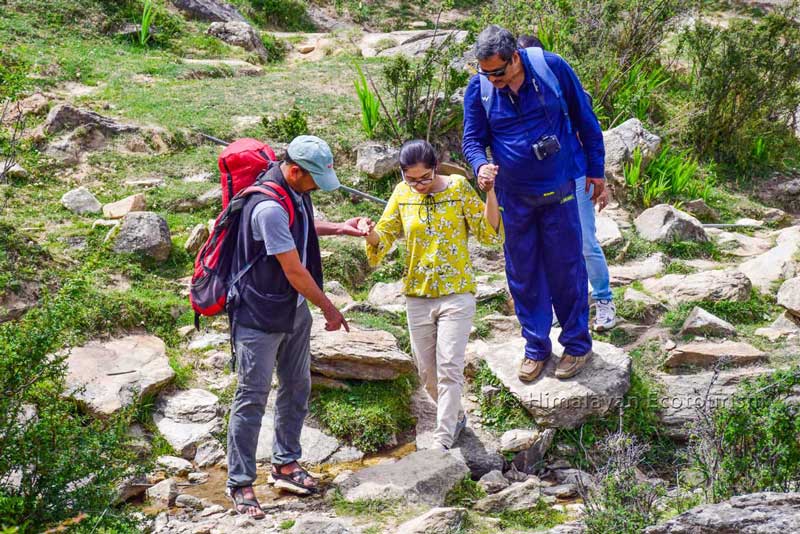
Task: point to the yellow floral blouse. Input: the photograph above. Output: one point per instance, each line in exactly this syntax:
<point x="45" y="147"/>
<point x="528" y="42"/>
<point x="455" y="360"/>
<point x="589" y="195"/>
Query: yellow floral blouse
<point x="436" y="227"/>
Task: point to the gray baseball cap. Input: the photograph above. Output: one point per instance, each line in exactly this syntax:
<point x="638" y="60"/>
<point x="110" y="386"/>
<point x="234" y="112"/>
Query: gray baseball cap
<point x="314" y="155"/>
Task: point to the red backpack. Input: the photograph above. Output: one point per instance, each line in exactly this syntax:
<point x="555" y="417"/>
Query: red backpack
<point x="241" y="163"/>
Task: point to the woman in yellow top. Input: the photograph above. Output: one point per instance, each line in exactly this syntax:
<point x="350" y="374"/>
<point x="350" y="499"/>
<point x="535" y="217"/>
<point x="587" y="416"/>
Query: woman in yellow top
<point x="436" y="213"/>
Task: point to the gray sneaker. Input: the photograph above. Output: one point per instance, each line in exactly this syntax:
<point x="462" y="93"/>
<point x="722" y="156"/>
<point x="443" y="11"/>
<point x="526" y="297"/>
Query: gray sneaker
<point x="605" y="316"/>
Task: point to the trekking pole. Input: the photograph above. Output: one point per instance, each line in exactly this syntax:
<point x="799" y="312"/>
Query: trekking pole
<point x="350" y="190"/>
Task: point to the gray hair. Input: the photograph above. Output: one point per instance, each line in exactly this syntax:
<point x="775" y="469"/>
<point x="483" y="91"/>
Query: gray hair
<point x="495" y="40"/>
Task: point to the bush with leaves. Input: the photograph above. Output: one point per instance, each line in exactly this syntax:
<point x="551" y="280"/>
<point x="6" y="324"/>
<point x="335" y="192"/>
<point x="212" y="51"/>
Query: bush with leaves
<point x="745" y="88"/>
<point x="672" y="176"/>
<point x="56" y="462"/>
<point x="287" y="126"/>
<point x="286" y="15"/>
<point x="620" y="502"/>
<point x="750" y="443"/>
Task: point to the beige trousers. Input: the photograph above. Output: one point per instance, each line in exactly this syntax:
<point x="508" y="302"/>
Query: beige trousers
<point x="439" y="329"/>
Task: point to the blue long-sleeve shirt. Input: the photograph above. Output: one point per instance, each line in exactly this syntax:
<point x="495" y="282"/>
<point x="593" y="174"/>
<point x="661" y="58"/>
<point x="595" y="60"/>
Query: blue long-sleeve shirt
<point x="515" y="122"/>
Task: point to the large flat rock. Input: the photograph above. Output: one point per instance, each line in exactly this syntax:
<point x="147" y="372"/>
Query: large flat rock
<point x="422" y="477"/>
<point x="685" y="395"/>
<point x="360" y="354"/>
<point x="109" y="376"/>
<point x="708" y="354"/>
<point x="754" y="513"/>
<point x="622" y="275"/>
<point x="716" y="286"/>
<point x="188" y="418"/>
<point x="599" y="386"/>
<point x="778" y="263"/>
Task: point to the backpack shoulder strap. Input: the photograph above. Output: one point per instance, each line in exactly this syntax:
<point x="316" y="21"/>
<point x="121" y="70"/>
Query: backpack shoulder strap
<point x="487" y="92"/>
<point x="275" y="192"/>
<point x="545" y="73"/>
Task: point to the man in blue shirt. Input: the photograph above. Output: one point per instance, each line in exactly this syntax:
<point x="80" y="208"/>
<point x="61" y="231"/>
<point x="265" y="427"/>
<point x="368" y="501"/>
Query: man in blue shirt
<point x="531" y="132"/>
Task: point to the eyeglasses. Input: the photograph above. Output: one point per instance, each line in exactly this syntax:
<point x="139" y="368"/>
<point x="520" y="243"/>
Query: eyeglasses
<point x="496" y="73"/>
<point x="420" y="181"/>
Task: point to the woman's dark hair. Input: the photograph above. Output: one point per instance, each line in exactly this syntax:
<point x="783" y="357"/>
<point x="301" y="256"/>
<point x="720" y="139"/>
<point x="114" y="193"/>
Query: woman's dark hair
<point x="416" y="152"/>
<point x="528" y="41"/>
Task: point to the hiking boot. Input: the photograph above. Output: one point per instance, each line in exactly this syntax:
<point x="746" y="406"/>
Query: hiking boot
<point x="606" y="316"/>
<point x="530" y="369"/>
<point x="570" y="366"/>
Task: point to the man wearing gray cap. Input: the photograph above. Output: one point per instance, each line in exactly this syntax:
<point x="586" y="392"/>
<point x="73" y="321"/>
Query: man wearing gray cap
<point x="271" y="322"/>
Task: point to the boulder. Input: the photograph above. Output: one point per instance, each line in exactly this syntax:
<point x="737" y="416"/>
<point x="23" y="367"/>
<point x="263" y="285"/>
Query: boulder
<point x="337" y="293"/>
<point x="789" y="296"/>
<point x="209" y="10"/>
<point x="701" y="210"/>
<point x="240" y="34"/>
<point x="701" y="323"/>
<point x="475" y="447"/>
<point x="360" y="354"/>
<point x="684" y="395"/>
<point x="387" y="296"/>
<point x="209" y="453"/>
<point x="68" y="117"/>
<point x="708" y="354"/>
<point x="377" y="160"/>
<point x="607" y="231"/>
<point x="435" y="521"/>
<point x="518" y="439"/>
<point x="620" y="143"/>
<point x="420" y="42"/>
<point x="716" y="286"/>
<point x="754" y="513"/>
<point x="422" y="477"/>
<point x="647" y="309"/>
<point x="741" y="245"/>
<point x="144" y="232"/>
<point x="81" y="201"/>
<point x="493" y="481"/>
<point x="487" y="289"/>
<point x="622" y="275"/>
<point x="598" y="388"/>
<point x="206" y="68"/>
<point x="197" y="238"/>
<point x="784" y="326"/>
<point x="173" y="465"/>
<point x="120" y="208"/>
<point x="209" y="340"/>
<point x="666" y="224"/>
<point x="188" y="418"/>
<point x="164" y="493"/>
<point x="145" y="183"/>
<point x="16" y="172"/>
<point x="775" y="264"/>
<point x="189" y="501"/>
<point x="319" y="525"/>
<point x="316" y="445"/>
<point x="529" y="459"/>
<point x="516" y="497"/>
<point x="108" y="376"/>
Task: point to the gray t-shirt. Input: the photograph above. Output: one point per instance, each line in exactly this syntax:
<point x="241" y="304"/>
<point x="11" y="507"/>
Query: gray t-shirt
<point x="270" y="223"/>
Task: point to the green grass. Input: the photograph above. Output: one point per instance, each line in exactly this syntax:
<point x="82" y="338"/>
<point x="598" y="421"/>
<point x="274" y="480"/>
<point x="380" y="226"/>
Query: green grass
<point x="759" y="309"/>
<point x="394" y="323"/>
<point x="466" y="493"/>
<point x="502" y="411"/>
<point x="369" y="414"/>
<point x="286" y="524"/>
<point x="541" y="516"/>
<point x="361" y="507"/>
<point x="183" y="372"/>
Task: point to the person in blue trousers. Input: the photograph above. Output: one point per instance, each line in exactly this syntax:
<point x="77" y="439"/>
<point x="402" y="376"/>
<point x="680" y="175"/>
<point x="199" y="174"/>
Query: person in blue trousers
<point x="605" y="311"/>
<point x="531" y="117"/>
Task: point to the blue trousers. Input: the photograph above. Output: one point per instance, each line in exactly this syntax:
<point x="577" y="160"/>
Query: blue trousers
<point x="592" y="252"/>
<point x="546" y="270"/>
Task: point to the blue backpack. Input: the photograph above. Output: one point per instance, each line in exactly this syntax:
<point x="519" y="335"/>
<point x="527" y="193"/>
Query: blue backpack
<point x="544" y="73"/>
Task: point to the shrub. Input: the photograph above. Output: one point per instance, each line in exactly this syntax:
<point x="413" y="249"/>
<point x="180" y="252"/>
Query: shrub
<point x="672" y="176"/>
<point x="745" y="87"/>
<point x="288" y="15"/>
<point x="620" y="503"/>
<point x="749" y="444"/>
<point x="276" y="48"/>
<point x="286" y="127"/>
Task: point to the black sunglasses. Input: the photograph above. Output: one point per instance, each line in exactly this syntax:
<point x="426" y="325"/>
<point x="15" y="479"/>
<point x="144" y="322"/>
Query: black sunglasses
<point x="497" y="72"/>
